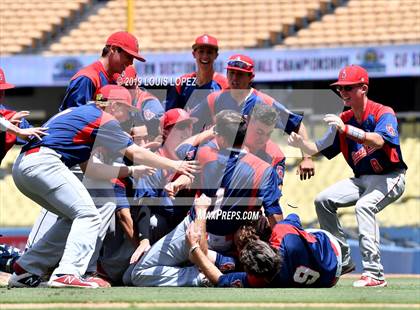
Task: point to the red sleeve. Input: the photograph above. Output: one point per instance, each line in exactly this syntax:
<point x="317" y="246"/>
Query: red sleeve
<point x="221" y="80"/>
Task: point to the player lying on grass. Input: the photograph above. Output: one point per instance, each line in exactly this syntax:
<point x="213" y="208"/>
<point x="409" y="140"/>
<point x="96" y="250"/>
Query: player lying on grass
<point x="291" y="257"/>
<point x="241" y="184"/>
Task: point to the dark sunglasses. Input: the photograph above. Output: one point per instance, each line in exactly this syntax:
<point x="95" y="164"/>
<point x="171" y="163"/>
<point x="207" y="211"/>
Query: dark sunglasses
<point x="240" y="64"/>
<point x="347" y="87"/>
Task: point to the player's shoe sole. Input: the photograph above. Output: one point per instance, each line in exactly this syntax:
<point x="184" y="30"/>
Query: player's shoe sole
<point x="69" y="280"/>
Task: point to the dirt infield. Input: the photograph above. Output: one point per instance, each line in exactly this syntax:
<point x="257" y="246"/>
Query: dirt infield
<point x="220" y="305"/>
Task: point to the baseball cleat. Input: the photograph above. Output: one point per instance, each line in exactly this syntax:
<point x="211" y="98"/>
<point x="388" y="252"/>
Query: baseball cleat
<point x="70" y="280"/>
<point x="97" y="279"/>
<point x="366" y="281"/>
<point x="22" y="278"/>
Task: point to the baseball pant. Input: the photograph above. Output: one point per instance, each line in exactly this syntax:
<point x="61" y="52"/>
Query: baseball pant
<point x="70" y="242"/>
<point x="46" y="219"/>
<point x="117" y="249"/>
<point x="166" y="263"/>
<point x="370" y="194"/>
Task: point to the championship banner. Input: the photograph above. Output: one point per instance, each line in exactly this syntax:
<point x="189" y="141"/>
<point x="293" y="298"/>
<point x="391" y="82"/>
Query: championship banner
<point x="162" y="69"/>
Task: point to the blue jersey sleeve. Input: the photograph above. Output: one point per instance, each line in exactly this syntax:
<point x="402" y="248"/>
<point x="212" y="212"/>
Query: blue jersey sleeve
<point x="270" y="193"/>
<point x="152" y="108"/>
<point x="387" y="127"/>
<point x="79" y="92"/>
<point x="186" y="151"/>
<point x="287" y="120"/>
<point x="23" y="125"/>
<point x="225" y="263"/>
<point x="329" y="145"/>
<point x="111" y="136"/>
<point x="280" y="168"/>
<point x="234" y="279"/>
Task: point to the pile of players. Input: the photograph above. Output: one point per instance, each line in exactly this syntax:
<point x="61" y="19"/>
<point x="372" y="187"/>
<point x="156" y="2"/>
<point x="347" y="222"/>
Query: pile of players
<point x="186" y="193"/>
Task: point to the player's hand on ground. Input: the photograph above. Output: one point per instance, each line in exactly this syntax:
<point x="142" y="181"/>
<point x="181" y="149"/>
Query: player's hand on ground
<point x="306" y="169"/>
<point x="334" y="120"/>
<point x="16" y="118"/>
<point x="140" y="171"/>
<point x="192" y="235"/>
<point x="143" y="247"/>
<point x="187" y="167"/>
<point x="295" y="140"/>
<point x="28" y="133"/>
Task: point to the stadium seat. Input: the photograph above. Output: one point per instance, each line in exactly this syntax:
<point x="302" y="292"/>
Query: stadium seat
<point x="363" y="22"/>
<point x="40" y="17"/>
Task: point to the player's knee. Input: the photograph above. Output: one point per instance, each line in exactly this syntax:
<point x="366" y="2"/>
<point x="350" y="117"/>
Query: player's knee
<point x="139" y="277"/>
<point x="321" y="200"/>
<point x="365" y="209"/>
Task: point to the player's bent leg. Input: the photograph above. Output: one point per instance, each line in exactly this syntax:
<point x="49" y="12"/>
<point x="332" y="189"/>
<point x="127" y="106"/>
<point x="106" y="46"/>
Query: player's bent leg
<point x="170" y="251"/>
<point x="43" y="223"/>
<point x="43" y="175"/>
<point x="381" y="191"/>
<point x="342" y="194"/>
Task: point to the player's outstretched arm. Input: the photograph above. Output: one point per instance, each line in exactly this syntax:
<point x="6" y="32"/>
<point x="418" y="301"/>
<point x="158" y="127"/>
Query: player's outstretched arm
<point x="306" y="146"/>
<point x="368" y="138"/>
<point x="25" y="133"/>
<point x="143" y="156"/>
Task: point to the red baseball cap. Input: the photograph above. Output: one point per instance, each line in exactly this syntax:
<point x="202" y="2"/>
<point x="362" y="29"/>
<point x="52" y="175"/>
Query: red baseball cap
<point x="175" y="116"/>
<point x="127" y="78"/>
<point x="240" y="63"/>
<point x="127" y="42"/>
<point x="205" y="39"/>
<point x="352" y="74"/>
<point x="3" y="84"/>
<point x="115" y="93"/>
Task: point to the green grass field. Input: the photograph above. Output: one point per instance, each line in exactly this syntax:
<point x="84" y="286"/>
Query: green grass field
<point x="402" y="293"/>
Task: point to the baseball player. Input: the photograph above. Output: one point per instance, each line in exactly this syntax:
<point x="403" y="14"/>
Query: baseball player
<point x="176" y="126"/>
<point x="42" y="173"/>
<point x="151" y="109"/>
<point x="119" y="51"/>
<point x="260" y="127"/>
<point x="239" y="181"/>
<point x="14" y="128"/>
<point x="241" y="97"/>
<point x="293" y="257"/>
<point x="156" y="214"/>
<point x="367" y="136"/>
<point x="192" y="88"/>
